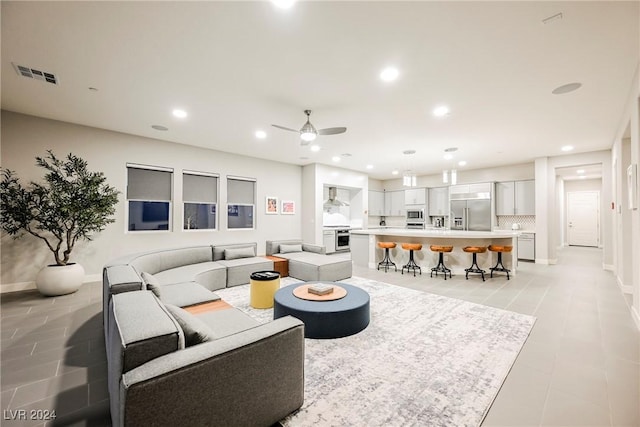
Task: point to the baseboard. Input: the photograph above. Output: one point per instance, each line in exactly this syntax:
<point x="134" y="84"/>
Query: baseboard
<point x="25" y="286"/>
<point x="636" y="317"/>
<point x="608" y="267"/>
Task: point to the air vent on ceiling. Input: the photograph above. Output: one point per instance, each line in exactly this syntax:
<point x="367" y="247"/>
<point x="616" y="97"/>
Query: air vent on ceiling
<point x="33" y="73"/>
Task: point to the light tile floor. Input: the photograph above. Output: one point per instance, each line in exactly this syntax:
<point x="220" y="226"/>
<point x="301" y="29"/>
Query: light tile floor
<point x="581" y="363"/>
<point x="580" y="366"/>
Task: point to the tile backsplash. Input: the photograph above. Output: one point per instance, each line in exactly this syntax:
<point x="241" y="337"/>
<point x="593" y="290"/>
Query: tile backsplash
<point x="527" y="222"/>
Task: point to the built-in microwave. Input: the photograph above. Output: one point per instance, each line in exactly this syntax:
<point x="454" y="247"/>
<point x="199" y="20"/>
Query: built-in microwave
<point x="415" y="215"/>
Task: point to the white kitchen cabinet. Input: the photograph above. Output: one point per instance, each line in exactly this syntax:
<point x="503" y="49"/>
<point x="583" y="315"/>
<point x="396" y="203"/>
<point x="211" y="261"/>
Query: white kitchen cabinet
<point x="376" y="203"/>
<point x="516" y="198"/>
<point x="394" y="203"/>
<point x="525" y="196"/>
<point x="439" y="201"/>
<point x="415" y="196"/>
<point x="505" y="198"/>
<point x="480" y="187"/>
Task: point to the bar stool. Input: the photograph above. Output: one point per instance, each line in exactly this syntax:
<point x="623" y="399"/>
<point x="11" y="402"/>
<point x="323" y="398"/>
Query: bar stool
<point x="499" y="265"/>
<point x="411" y="265"/>
<point x="441" y="267"/>
<point x="386" y="261"/>
<point x="474" y="250"/>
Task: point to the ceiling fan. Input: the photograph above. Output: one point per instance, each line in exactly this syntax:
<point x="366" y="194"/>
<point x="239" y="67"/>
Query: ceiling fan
<point x="308" y="132"/>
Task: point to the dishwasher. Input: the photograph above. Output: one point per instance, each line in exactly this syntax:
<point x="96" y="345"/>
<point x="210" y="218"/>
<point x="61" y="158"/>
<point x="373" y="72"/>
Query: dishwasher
<point x="527" y="246"/>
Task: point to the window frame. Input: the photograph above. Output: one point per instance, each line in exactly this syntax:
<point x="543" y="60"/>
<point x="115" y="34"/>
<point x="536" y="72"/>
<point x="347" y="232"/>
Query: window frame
<point x="217" y="202"/>
<point x="127" y="212"/>
<point x="253" y="204"/>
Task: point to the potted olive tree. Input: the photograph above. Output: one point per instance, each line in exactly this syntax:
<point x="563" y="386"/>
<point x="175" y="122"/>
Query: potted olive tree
<point x="70" y="205"/>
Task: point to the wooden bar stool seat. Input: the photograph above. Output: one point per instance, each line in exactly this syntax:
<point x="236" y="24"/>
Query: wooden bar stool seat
<point x="386" y="261"/>
<point x="411" y="265"/>
<point x="474" y="250"/>
<point x="441" y="267"/>
<point x="499" y="265"/>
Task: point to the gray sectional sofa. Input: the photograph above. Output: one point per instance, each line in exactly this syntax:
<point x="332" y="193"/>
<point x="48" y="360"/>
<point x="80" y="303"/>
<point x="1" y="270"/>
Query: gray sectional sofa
<point x="309" y="262"/>
<point x="168" y="366"/>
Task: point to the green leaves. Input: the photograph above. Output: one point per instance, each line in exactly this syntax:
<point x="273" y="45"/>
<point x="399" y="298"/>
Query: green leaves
<point x="71" y="203"/>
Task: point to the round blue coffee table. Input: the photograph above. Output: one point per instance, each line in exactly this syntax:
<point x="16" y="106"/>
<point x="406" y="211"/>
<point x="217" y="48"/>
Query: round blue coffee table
<point x="325" y="319"/>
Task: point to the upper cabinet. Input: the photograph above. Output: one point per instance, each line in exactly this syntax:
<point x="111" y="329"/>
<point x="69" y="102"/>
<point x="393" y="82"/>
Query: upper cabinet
<point x="516" y="198"/>
<point x="439" y="201"/>
<point x="415" y="196"/>
<point x="481" y="187"/>
<point x="394" y="203"/>
<point x="376" y="203"/>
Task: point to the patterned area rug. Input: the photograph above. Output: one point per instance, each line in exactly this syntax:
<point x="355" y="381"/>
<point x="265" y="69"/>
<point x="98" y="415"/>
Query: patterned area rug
<point x="424" y="360"/>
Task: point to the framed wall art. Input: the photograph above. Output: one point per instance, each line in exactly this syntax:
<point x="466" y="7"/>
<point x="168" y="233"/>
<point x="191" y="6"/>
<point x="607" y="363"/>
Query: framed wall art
<point x="271" y="205"/>
<point x="288" y="207"/>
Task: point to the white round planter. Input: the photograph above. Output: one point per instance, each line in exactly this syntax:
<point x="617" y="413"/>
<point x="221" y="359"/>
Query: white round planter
<point x="55" y="280"/>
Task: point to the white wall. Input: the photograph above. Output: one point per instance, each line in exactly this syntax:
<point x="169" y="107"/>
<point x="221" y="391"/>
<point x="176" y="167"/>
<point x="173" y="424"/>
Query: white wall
<point x="24" y="137"/>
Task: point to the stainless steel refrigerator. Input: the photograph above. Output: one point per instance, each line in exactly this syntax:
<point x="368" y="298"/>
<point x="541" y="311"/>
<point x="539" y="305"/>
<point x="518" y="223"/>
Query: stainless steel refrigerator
<point x="472" y="215"/>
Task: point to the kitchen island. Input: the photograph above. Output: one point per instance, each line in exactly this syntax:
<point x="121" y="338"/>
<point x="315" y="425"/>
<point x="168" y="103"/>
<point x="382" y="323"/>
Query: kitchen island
<point x="366" y="253"/>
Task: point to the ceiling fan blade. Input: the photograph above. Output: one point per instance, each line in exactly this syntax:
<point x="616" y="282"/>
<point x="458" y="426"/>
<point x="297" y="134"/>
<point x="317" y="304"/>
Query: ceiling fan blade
<point x="285" y="128"/>
<point x="331" y="131"/>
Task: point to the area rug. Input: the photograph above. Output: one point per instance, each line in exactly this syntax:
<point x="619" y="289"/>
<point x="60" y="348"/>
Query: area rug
<point x="424" y="360"/>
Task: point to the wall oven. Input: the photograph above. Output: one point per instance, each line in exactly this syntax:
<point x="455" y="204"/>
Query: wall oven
<point x="342" y="240"/>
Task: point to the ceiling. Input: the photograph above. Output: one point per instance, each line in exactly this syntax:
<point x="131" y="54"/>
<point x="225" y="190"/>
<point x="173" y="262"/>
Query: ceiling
<point x="238" y="67"/>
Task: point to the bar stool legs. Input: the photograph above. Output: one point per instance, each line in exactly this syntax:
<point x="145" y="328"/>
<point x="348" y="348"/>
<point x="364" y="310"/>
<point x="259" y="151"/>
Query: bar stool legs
<point x="411" y="265"/>
<point x="499" y="265"/>
<point x="475" y="268"/>
<point x="386" y="262"/>
<point x="441" y="267"/>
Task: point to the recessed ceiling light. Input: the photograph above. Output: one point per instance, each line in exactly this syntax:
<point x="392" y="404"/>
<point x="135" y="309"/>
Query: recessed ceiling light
<point x="389" y="74"/>
<point x="369" y="166"/>
<point x="580" y="171"/>
<point x="260" y="134"/>
<point x="462" y="163"/>
<point x="567" y="148"/>
<point x="159" y="127"/>
<point x="448" y="156"/>
<point x="441" y="111"/>
<point x="181" y="114"/>
<point x="395" y="173"/>
<point x="560" y="90"/>
<point x="336" y="158"/>
<point x="315" y="148"/>
<point x="283" y="4"/>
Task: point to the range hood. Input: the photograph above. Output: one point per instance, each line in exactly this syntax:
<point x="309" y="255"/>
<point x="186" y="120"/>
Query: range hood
<point x="333" y="199"/>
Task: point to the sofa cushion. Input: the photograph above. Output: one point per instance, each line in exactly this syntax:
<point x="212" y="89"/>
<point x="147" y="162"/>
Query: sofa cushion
<point x="152" y="283"/>
<point x="239" y="270"/>
<point x="284" y="249"/>
<point x="236" y="253"/>
<point x="211" y="275"/>
<point x="273" y="246"/>
<point x="195" y="330"/>
<point x="227" y="322"/>
<point x="187" y="293"/>
<point x="218" y="251"/>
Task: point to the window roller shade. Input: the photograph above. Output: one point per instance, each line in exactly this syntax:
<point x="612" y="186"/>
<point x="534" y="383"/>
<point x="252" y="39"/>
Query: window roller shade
<point x="199" y="188"/>
<point x="147" y="184"/>
<point x="240" y="192"/>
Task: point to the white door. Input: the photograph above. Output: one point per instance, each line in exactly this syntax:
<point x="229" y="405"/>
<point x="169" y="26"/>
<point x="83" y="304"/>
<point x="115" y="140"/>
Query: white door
<point x="583" y="218"/>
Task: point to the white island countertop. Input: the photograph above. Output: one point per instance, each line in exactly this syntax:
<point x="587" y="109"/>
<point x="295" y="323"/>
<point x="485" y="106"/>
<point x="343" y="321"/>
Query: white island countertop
<point x="441" y="233"/>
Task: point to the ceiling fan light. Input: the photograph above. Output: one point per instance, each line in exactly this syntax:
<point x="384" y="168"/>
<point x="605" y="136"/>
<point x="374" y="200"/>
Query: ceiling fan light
<point x="308" y="136"/>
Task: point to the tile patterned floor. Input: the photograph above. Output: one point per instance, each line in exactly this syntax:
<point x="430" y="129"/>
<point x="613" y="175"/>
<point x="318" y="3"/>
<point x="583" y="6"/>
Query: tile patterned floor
<point x="580" y="366"/>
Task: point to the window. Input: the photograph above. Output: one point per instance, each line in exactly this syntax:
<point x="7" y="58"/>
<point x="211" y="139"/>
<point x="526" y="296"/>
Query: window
<point x="200" y="196"/>
<point x="240" y="203"/>
<point x="149" y="198"/>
